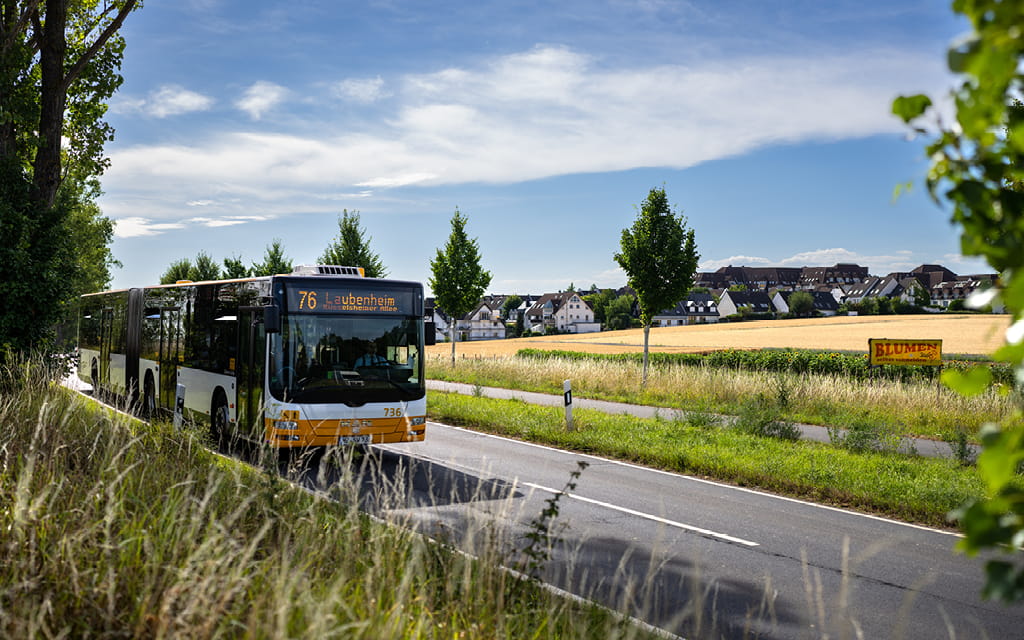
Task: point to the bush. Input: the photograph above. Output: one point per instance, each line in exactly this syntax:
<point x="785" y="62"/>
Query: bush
<point x="862" y="437"/>
<point x="762" y="417"/>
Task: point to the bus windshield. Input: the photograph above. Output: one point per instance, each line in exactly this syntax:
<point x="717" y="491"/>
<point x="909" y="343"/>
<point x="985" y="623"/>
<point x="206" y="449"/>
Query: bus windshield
<point x="326" y="358"/>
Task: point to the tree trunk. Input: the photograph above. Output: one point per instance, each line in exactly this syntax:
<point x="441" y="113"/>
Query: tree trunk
<point x="647" y="335"/>
<point x="451" y="329"/>
<point x="52" y="101"/>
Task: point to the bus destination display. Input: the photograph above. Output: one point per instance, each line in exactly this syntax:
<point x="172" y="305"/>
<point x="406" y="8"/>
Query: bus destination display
<point x="309" y="298"/>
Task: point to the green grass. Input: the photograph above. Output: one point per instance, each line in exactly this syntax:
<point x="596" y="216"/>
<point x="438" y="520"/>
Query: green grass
<point x="906" y="487"/>
<point x="922" y="409"/>
<point x="113" y="528"/>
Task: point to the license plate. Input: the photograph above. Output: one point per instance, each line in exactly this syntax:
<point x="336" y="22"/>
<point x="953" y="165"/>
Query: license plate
<point x="365" y="439"/>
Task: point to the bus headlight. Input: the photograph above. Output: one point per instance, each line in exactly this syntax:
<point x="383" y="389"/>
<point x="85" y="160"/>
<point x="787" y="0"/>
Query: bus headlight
<point x="286" y="425"/>
<point x="418" y="421"/>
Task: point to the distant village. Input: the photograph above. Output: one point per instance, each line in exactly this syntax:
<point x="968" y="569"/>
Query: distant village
<point x="727" y="295"/>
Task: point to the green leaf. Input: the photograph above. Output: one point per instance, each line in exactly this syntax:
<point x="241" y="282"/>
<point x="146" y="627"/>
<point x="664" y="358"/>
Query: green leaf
<point x="1003" y="583"/>
<point x="997" y="463"/>
<point x="910" y="107"/>
<point x="970" y="382"/>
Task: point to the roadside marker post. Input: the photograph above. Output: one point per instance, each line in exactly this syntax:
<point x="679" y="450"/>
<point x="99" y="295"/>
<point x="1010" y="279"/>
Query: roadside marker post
<point x="567" y="398"/>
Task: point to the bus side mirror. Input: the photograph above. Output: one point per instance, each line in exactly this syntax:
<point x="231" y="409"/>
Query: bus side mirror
<point x="271" y="319"/>
<point x="429" y="333"/>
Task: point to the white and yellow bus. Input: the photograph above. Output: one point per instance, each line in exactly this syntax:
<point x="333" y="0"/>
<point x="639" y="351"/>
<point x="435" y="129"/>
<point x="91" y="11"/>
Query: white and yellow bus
<point x="318" y="357"/>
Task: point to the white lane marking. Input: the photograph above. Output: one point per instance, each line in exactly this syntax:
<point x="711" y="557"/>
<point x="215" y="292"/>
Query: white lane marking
<point x="723" y="485"/>
<point x="640" y="514"/>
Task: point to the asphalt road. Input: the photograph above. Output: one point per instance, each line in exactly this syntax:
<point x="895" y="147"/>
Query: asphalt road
<point x="696" y="558"/>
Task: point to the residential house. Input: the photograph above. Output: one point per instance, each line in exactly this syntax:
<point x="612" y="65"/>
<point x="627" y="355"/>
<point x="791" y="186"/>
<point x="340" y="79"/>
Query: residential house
<point x="825" y="303"/>
<point x="867" y="288"/>
<point x="930" y="275"/>
<point x="483" y="323"/>
<point x="843" y="273"/>
<point x="734" y="302"/>
<point x="943" y="293"/>
<point x="565" y="312"/>
<point x="439" y="318"/>
<point x="754" y="278"/>
<point x="698" y="308"/>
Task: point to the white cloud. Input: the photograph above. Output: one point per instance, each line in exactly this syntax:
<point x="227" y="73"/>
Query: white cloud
<point x="545" y="112"/>
<point x="173" y="100"/>
<point x="228" y="221"/>
<point x="135" y="227"/>
<point x="733" y="261"/>
<point x="260" y="97"/>
<point x="361" y="90"/>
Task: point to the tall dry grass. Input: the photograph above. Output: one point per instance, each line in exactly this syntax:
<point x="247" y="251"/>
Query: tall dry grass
<point x="113" y="528"/>
<point x="920" y="409"/>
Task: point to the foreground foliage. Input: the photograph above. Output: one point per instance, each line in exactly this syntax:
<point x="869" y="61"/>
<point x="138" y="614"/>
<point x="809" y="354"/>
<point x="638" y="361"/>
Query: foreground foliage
<point x="117" y="529"/>
<point x="977" y="166"/>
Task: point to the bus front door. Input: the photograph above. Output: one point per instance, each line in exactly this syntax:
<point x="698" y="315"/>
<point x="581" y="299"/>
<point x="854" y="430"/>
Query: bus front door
<point x="252" y="353"/>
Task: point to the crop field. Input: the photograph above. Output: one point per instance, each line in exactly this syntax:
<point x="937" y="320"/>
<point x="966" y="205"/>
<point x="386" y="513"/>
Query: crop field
<point x="965" y="334"/>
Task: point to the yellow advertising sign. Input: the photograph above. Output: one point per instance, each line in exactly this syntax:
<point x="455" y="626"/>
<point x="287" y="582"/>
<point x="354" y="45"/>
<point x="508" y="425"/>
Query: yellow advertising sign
<point x="920" y="352"/>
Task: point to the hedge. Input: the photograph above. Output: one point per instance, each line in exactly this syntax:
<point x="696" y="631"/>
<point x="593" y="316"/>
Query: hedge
<point x="850" y="365"/>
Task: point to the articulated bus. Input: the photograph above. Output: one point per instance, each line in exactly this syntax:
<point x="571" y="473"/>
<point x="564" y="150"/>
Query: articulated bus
<point x="322" y="356"/>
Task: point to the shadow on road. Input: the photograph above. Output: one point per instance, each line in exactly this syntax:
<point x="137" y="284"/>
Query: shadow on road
<point x="386" y="480"/>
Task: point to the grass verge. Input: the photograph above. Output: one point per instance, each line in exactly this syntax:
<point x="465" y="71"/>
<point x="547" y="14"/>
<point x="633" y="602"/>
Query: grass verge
<point x="113" y="528"/>
<point x="909" y="488"/>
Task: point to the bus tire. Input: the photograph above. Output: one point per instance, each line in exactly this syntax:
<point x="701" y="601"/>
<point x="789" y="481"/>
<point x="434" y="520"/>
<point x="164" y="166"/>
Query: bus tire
<point x="219" y="427"/>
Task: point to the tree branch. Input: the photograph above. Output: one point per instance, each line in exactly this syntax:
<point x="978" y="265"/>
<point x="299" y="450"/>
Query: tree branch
<point x="29" y="11"/>
<point x="91" y="52"/>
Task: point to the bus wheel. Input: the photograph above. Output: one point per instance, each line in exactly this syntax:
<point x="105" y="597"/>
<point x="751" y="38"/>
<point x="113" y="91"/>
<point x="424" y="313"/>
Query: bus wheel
<point x="149" y="399"/>
<point x="219" y="422"/>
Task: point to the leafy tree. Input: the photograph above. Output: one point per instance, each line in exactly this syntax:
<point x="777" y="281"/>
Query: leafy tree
<point x="37" y="265"/>
<point x="179" y="270"/>
<point x="885" y="306"/>
<point x="619" y="312"/>
<point x="659" y="256"/>
<point x="457" y="279"/>
<point x="510" y="305"/>
<point x="801" y="303"/>
<point x="977" y="165"/>
<point x="921" y="297"/>
<point x="352" y="248"/>
<point x="90" y="234"/>
<point x="599" y="303"/>
<point x="737" y="287"/>
<point x="59" y="64"/>
<point x="274" y="261"/>
<point x="204" y="268"/>
<point x="235" y="268"/>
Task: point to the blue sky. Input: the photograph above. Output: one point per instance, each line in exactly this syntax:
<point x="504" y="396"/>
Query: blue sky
<point x="546" y="123"/>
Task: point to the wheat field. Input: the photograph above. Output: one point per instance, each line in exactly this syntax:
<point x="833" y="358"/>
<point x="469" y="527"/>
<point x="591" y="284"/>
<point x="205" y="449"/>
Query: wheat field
<point x="968" y="334"/>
